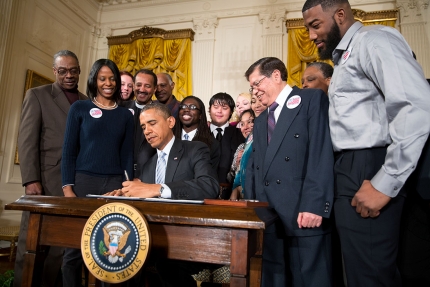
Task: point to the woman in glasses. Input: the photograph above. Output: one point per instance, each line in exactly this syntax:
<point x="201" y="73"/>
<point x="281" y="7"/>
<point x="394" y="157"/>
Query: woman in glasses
<point x="191" y="124"/>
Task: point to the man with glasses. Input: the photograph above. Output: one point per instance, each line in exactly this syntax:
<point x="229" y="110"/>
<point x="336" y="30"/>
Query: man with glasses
<point x="164" y="93"/>
<point x="291" y="167"/>
<point x="191" y="125"/>
<point x="40" y="142"/>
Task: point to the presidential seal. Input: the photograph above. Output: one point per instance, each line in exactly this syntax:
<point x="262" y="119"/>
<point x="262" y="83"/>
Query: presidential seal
<point x="115" y="242"/>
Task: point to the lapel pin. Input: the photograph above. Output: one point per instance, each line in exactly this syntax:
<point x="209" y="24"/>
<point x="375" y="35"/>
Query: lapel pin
<point x="293" y="102"/>
<point x="175" y="158"/>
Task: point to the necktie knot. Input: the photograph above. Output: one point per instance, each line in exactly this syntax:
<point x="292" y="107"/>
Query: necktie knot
<point x="186" y="137"/>
<point x="219" y="134"/>
<point x="273" y="106"/>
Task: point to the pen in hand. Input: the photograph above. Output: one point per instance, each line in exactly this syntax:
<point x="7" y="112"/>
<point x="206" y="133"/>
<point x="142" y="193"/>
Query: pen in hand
<point x="126" y="176"/>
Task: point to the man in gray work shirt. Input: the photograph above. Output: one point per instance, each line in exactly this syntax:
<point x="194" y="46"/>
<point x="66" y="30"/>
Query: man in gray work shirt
<point x="379" y="121"/>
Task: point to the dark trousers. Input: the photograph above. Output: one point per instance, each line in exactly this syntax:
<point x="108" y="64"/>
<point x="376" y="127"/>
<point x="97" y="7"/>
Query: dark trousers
<point x="369" y="245"/>
<point x="84" y="184"/>
<point x="297" y="261"/>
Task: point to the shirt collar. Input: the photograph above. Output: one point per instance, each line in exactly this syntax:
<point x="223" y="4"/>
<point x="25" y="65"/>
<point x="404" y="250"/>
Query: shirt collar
<point x="282" y="97"/>
<point x="167" y="148"/>
<point x="139" y="105"/>
<point x="214" y="127"/>
<point x="191" y="134"/>
<point x="346" y="39"/>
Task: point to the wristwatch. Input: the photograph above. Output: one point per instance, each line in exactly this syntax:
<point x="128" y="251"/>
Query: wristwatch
<point x="161" y="191"/>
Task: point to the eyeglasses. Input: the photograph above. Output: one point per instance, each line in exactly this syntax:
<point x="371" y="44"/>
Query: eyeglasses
<point x="63" y="72"/>
<point x="190" y="107"/>
<point x="256" y="84"/>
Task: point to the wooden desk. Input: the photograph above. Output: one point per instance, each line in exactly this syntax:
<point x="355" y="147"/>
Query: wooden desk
<point x="200" y="233"/>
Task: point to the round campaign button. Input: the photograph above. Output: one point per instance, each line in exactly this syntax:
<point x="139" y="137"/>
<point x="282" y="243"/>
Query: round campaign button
<point x="96" y="113"/>
<point x="115" y="242"/>
<point x="293" y="102"/>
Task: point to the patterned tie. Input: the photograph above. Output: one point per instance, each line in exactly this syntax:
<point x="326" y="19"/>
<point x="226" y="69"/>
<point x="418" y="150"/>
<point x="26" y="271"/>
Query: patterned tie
<point x="219" y="134"/>
<point x="271" y="121"/>
<point x="160" y="171"/>
<point x="186" y="137"/>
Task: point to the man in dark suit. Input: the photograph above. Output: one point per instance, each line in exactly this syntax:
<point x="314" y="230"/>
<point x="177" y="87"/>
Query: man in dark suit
<point x="40" y="142"/>
<point x="145" y="84"/>
<point x="179" y="170"/>
<point x="184" y="166"/>
<point x="221" y="107"/>
<point x="291" y="167"/>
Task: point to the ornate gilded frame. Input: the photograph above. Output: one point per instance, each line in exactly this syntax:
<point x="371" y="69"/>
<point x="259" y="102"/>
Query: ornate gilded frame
<point x="32" y="80"/>
<point x="150" y="32"/>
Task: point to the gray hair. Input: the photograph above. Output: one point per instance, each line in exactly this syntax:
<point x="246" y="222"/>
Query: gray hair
<point x="169" y="78"/>
<point x="64" y="53"/>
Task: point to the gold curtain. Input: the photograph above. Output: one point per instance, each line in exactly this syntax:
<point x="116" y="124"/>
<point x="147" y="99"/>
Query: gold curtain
<point x="301" y="50"/>
<point x="159" y="54"/>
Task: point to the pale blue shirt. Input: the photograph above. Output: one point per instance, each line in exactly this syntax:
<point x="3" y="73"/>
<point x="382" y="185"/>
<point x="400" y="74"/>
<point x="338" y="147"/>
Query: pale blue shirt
<point x="167" y="192"/>
<point x="378" y="97"/>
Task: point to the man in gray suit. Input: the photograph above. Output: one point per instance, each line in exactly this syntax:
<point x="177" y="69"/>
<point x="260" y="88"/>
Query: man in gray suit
<point x="40" y="141"/>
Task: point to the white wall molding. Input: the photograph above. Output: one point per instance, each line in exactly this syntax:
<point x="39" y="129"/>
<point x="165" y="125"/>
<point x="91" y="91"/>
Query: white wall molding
<point x="415" y="28"/>
<point x="204" y="28"/>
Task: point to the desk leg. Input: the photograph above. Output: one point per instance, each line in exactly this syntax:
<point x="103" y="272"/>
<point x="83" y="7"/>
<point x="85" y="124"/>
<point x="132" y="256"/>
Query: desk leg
<point x="256" y="260"/>
<point x="239" y="267"/>
<point x="34" y="223"/>
<point x="255" y="271"/>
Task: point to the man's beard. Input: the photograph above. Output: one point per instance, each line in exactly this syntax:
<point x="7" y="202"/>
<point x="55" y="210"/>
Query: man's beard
<point x="333" y="39"/>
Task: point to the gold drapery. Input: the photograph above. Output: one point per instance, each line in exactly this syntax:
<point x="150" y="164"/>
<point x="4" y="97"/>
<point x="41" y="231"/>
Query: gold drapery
<point x="301" y="50"/>
<point x="157" y="50"/>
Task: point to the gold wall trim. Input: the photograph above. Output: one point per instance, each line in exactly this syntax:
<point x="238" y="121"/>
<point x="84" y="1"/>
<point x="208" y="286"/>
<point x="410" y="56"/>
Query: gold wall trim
<point x="360" y="15"/>
<point x="151" y="32"/>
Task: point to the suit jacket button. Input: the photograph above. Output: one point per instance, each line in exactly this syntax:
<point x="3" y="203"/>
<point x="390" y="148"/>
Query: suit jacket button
<point x="296" y="136"/>
<point x="278" y="181"/>
<point x="327" y="204"/>
<point x="266" y="183"/>
<point x="258" y="167"/>
<point x="287" y="159"/>
<point x="253" y="149"/>
<point x="325" y="211"/>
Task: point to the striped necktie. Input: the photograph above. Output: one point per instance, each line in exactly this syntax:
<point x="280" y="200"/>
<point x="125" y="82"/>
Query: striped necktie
<point x="160" y="172"/>
<point x="271" y="121"/>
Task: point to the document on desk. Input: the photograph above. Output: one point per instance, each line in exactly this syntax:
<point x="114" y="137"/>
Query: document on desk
<point x="152" y="199"/>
